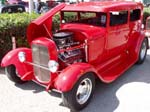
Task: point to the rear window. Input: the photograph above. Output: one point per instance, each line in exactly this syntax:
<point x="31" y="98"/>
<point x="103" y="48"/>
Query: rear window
<point x="135" y="14"/>
<point x="118" y="18"/>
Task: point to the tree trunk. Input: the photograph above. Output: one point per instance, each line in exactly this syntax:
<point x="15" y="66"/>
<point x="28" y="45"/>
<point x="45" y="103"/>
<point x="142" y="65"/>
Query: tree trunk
<point x="31" y="7"/>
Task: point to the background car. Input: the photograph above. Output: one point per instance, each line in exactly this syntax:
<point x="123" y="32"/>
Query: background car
<point x="147" y="4"/>
<point x="15" y="8"/>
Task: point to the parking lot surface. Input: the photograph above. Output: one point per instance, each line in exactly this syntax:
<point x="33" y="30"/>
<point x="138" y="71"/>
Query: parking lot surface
<point x="129" y="93"/>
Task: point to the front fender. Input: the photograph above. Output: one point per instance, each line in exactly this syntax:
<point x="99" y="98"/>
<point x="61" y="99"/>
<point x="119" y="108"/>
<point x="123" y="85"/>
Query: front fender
<point x="69" y="76"/>
<point x="11" y="58"/>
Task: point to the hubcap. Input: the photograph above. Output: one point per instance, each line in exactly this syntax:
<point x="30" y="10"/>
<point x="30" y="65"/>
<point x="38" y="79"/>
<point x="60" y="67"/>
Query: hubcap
<point x="143" y="50"/>
<point x="84" y="91"/>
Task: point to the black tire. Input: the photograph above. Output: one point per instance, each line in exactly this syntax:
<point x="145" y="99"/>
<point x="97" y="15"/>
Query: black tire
<point x="143" y="51"/>
<point x="12" y="75"/>
<point x="71" y="98"/>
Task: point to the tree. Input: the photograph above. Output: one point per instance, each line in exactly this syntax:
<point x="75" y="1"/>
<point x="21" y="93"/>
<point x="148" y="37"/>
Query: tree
<point x="31" y="6"/>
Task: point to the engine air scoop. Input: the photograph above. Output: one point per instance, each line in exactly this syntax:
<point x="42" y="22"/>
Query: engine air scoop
<point x="63" y="38"/>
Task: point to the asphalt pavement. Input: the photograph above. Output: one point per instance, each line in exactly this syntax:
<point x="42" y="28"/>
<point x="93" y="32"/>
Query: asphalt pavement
<point x="129" y="93"/>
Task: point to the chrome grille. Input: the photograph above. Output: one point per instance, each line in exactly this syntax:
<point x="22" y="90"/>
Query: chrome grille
<point x="40" y="56"/>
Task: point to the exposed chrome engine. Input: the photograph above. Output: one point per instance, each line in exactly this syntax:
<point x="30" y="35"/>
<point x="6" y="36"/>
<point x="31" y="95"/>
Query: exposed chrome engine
<point x="65" y="41"/>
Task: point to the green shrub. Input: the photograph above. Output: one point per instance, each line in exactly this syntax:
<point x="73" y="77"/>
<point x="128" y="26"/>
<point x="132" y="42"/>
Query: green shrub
<point x="56" y="22"/>
<point x="146" y="14"/>
<point x="13" y="25"/>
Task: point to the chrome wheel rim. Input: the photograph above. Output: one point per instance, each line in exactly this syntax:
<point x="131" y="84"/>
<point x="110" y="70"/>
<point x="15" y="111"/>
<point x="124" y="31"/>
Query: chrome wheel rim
<point x="84" y="91"/>
<point x="143" y="50"/>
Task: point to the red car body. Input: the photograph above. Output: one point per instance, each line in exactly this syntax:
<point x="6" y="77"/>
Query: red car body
<point x="106" y="50"/>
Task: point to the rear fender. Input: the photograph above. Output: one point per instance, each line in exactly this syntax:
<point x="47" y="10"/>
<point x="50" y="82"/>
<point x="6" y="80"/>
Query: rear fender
<point x="136" y="44"/>
<point x="139" y="43"/>
<point x="11" y="58"/>
<point x="69" y="76"/>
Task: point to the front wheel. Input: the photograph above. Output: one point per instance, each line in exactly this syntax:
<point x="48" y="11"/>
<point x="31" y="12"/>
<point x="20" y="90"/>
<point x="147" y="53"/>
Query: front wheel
<point x="11" y="73"/>
<point x="143" y="51"/>
<point x="77" y="98"/>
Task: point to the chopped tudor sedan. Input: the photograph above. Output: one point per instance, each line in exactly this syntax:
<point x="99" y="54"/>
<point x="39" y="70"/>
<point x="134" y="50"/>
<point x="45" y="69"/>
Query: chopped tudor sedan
<point x="96" y="40"/>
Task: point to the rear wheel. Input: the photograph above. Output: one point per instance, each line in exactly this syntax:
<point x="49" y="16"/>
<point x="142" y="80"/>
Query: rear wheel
<point x="143" y="51"/>
<point x="12" y="74"/>
<point x="77" y="98"/>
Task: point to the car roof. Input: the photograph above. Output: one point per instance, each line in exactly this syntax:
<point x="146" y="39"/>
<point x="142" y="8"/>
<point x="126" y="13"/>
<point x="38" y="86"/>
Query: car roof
<point x="102" y="6"/>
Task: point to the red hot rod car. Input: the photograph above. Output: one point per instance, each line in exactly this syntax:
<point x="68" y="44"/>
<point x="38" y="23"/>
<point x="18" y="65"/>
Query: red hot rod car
<point x="99" y="40"/>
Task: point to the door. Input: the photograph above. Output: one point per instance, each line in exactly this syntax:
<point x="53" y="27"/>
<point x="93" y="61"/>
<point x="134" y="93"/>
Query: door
<point x="117" y="33"/>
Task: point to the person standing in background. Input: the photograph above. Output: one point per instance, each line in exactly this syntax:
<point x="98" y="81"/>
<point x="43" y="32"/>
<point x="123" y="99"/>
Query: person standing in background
<point x="36" y="5"/>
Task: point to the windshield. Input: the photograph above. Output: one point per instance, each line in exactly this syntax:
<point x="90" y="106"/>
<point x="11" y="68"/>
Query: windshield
<point x="89" y="18"/>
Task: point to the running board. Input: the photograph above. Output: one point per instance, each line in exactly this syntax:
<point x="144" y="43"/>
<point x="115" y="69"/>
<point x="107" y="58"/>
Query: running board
<point x="116" y="70"/>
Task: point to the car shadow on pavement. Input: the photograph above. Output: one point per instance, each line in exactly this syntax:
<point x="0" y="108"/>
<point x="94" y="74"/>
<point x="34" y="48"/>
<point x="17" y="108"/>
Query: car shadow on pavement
<point x="2" y="71"/>
<point x="31" y="86"/>
<point x="55" y="93"/>
<point x="26" y="86"/>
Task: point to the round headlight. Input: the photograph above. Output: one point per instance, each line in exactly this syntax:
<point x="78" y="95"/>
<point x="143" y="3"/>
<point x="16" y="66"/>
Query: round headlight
<point x="21" y="56"/>
<point x="53" y="66"/>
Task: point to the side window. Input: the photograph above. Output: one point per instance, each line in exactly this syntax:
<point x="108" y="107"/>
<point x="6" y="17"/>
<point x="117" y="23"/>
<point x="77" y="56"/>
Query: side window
<point x="118" y="18"/>
<point x="102" y="19"/>
<point x="87" y="15"/>
<point x="135" y="14"/>
<point x="70" y="16"/>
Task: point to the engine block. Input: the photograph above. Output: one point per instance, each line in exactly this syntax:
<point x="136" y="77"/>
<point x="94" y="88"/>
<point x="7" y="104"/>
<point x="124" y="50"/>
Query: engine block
<point x="65" y="40"/>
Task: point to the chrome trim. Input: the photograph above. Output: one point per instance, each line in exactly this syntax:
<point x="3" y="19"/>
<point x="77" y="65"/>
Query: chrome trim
<point x="143" y="50"/>
<point x="42" y="85"/>
<point x="37" y="65"/>
<point x="39" y="83"/>
<point x="86" y="50"/>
